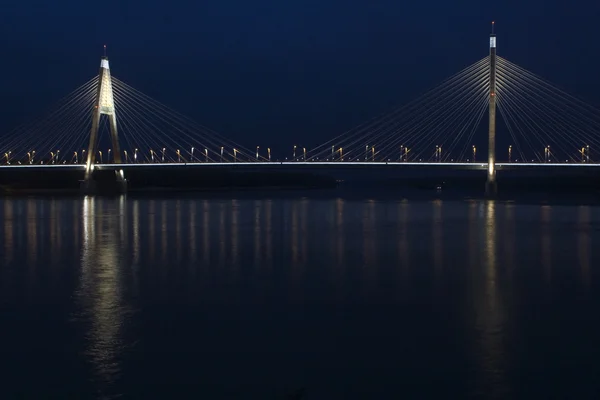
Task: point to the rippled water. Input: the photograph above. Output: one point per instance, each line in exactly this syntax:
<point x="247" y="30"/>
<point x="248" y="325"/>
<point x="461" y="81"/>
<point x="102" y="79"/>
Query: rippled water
<point x="244" y="298"/>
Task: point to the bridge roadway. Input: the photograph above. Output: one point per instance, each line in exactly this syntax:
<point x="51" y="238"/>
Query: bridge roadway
<point x="318" y="165"/>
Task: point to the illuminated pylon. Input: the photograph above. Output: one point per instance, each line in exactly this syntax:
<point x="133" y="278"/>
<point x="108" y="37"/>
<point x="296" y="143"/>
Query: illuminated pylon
<point x="104" y="105"/>
<point x="491" y="186"/>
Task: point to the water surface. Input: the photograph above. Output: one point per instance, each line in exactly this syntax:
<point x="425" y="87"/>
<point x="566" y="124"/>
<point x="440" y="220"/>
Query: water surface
<point x="255" y="298"/>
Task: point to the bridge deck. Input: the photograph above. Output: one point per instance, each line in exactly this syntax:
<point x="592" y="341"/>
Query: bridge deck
<point x="336" y="164"/>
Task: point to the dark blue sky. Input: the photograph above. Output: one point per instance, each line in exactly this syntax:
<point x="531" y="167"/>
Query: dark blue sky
<point x="268" y="72"/>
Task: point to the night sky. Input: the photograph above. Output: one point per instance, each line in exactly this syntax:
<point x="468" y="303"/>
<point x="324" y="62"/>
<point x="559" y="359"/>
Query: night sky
<point x="277" y="73"/>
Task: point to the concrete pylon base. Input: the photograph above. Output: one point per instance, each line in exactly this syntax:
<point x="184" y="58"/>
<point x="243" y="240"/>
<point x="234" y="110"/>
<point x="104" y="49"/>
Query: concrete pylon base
<point x="92" y="187"/>
<point x="491" y="189"/>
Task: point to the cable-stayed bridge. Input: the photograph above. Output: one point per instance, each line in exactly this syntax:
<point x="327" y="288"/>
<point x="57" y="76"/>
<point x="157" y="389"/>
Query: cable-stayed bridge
<point x="107" y="124"/>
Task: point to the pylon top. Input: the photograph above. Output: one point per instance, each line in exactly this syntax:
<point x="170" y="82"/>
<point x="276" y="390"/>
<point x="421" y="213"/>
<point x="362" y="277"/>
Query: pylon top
<point x="104" y="60"/>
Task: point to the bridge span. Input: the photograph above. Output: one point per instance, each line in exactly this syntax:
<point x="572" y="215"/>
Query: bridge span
<point x="317" y="164"/>
<point x="134" y="138"/>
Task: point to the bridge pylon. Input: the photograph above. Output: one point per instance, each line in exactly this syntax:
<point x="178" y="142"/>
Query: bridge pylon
<point x="103" y="105"/>
<point x="491" y="187"/>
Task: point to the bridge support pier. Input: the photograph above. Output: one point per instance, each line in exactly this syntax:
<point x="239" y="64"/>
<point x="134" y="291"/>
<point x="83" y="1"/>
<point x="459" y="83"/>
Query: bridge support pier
<point x="105" y="182"/>
<point x="491" y="187"/>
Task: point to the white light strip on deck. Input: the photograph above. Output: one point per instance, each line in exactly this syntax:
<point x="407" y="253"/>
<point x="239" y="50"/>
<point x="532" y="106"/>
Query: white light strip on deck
<point x="305" y="163"/>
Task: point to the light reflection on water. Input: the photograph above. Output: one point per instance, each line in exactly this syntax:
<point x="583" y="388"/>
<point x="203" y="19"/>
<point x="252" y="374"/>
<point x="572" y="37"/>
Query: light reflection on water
<point x="205" y="231"/>
<point x="546" y="244"/>
<point x="8" y="231"/>
<point x="437" y="231"/>
<point x="235" y="227"/>
<point x="192" y="232"/>
<point x="100" y="303"/>
<point x="166" y="290"/>
<point x="583" y="240"/>
<point x="491" y="317"/>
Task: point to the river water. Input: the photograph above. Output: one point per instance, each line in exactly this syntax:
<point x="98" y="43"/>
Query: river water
<point x="259" y="298"/>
